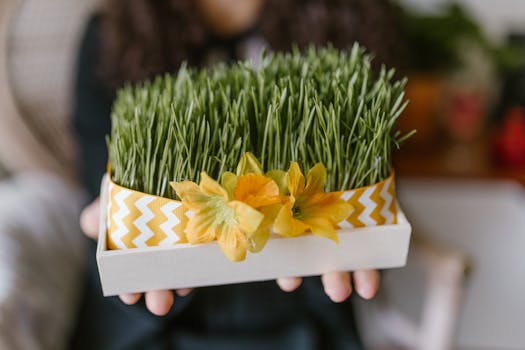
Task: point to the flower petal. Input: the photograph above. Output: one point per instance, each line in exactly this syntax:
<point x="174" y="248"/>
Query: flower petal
<point x="211" y="187"/>
<point x="248" y="218"/>
<point x="184" y="187"/>
<point x="229" y="180"/>
<point x="327" y="205"/>
<point x="258" y="239"/>
<point x="286" y="225"/>
<point x="201" y="227"/>
<point x="322" y="227"/>
<point x="249" y="164"/>
<point x="190" y="194"/>
<point x="256" y="190"/>
<point x="233" y="242"/>
<point x="315" y="179"/>
<point x="295" y="180"/>
<point x="279" y="176"/>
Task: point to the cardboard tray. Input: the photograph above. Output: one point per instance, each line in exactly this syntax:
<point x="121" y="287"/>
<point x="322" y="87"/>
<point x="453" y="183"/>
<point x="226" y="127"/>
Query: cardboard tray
<point x="185" y="265"/>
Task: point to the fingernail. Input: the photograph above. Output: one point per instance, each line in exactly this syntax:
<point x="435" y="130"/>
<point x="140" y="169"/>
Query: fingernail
<point x="183" y="292"/>
<point x="129" y="299"/>
<point x="338" y="295"/>
<point x="289" y="284"/>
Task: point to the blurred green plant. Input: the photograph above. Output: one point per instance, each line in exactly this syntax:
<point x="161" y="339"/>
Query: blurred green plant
<point x="435" y="40"/>
<point x="323" y="105"/>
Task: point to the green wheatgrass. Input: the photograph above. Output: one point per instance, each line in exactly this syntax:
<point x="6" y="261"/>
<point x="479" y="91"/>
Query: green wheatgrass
<point x="323" y="105"/>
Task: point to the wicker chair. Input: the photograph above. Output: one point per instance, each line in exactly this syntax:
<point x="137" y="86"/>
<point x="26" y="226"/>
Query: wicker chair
<point x="41" y="247"/>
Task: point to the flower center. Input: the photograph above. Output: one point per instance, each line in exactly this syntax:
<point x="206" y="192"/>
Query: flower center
<point x="224" y="214"/>
<point x="296" y="212"/>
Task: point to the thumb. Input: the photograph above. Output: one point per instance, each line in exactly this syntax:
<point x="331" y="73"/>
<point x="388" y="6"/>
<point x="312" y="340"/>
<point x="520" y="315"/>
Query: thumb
<point x="89" y="219"/>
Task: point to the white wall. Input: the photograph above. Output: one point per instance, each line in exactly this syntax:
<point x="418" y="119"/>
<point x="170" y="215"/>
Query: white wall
<point x="486" y="221"/>
<point x="498" y="16"/>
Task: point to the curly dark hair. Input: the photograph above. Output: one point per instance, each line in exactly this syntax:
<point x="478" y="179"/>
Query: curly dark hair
<point x="143" y="38"/>
<point x="374" y="24"/>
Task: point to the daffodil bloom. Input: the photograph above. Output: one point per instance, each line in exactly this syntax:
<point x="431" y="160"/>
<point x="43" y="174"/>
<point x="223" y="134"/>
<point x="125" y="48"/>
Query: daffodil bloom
<point x="240" y="213"/>
<point x="215" y="216"/>
<point x="261" y="192"/>
<point x="309" y="207"/>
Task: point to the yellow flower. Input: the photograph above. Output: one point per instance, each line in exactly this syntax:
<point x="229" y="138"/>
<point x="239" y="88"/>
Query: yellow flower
<point x="256" y="190"/>
<point x="260" y="192"/>
<point x="216" y="217"/>
<point x="240" y="213"/>
<point x="309" y="207"/>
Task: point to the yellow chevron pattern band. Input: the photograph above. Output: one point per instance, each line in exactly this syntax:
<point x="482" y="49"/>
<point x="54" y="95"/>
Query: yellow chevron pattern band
<point x="137" y="220"/>
<point x="372" y="205"/>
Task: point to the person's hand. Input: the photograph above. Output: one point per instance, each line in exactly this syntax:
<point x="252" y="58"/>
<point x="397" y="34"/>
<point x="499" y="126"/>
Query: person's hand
<point x="158" y="302"/>
<point x="338" y="285"/>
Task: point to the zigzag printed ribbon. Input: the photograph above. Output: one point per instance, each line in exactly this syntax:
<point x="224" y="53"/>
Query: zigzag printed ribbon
<point x="136" y="219"/>
<point x="372" y="205"/>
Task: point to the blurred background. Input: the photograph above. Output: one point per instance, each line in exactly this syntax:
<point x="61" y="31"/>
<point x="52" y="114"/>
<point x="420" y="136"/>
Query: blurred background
<point x="461" y="177"/>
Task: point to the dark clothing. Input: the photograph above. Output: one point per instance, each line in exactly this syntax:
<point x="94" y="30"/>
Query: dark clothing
<point x="243" y="316"/>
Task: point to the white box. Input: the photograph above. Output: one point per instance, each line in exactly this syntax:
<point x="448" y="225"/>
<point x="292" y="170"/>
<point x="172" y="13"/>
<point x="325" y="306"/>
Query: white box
<point x="185" y="265"/>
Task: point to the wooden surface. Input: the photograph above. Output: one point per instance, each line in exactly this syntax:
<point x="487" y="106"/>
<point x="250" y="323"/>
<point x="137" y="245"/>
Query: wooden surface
<point x="444" y="159"/>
